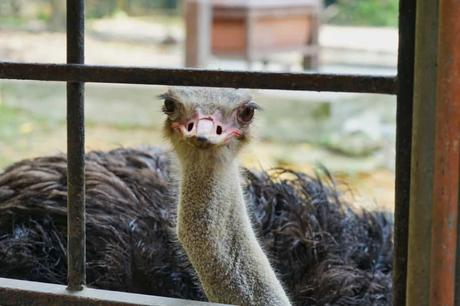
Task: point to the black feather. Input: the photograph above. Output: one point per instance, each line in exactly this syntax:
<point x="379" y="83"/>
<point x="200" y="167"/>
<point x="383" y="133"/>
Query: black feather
<point x="325" y="252"/>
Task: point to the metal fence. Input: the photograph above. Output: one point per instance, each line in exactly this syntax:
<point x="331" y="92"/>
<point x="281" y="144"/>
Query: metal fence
<point x="75" y="73"/>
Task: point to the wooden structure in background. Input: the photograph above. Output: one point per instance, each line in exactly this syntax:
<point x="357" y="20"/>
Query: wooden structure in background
<point x="251" y="30"/>
<point x="197" y="32"/>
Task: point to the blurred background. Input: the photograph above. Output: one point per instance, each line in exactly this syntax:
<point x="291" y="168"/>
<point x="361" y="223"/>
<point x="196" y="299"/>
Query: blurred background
<point x="353" y="135"/>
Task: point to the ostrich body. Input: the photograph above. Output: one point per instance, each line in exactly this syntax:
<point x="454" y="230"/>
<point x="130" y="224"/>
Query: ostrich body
<point x="324" y="252"/>
<point x="207" y="128"/>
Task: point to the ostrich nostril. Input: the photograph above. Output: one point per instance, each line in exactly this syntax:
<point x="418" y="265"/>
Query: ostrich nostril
<point x="190" y="127"/>
<point x="219" y="130"/>
<point x="202" y="139"/>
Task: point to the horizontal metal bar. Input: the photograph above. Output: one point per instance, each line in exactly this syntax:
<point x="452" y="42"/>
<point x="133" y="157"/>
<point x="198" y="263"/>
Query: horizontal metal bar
<point x="18" y="292"/>
<point x="197" y="77"/>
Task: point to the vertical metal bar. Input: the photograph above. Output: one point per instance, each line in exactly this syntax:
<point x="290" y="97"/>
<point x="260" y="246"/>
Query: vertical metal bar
<point x="457" y="259"/>
<point x="446" y="175"/>
<point x="403" y="146"/>
<point x="423" y="148"/>
<point x="75" y="151"/>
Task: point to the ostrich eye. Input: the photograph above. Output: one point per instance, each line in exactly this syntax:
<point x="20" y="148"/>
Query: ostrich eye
<point x="246" y="114"/>
<point x="169" y="106"/>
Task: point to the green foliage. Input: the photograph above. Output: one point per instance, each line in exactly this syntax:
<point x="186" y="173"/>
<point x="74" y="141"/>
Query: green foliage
<point x="329" y="2"/>
<point x="366" y="12"/>
<point x="43" y="16"/>
<point x="16" y="13"/>
<point x="104" y="8"/>
<point x="10" y="7"/>
<point x="100" y="8"/>
<point x="11" y="22"/>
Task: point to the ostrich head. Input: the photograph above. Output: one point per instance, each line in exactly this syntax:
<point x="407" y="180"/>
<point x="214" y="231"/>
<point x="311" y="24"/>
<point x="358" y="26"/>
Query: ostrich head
<point x="207" y="122"/>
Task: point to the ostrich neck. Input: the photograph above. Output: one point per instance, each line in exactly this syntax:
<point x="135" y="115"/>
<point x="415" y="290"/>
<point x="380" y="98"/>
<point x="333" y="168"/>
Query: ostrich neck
<point x="214" y="229"/>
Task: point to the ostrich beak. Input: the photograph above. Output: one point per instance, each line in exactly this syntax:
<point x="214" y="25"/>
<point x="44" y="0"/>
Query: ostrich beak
<point x="207" y="131"/>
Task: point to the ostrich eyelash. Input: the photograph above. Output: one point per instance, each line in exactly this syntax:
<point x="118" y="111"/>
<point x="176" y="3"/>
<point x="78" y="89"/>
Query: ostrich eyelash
<point x="165" y="97"/>
<point x="254" y="105"/>
<point x="250" y="103"/>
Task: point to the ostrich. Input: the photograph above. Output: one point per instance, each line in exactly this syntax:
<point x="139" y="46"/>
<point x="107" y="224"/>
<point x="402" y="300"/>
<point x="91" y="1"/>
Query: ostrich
<point x="207" y="129"/>
<point x="139" y="240"/>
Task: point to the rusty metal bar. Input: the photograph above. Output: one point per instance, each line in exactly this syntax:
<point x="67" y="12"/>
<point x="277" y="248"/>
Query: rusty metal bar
<point x="407" y="12"/>
<point x="423" y="148"/>
<point x="197" y="77"/>
<point x="446" y="168"/>
<point x="18" y="292"/>
<point x="457" y="259"/>
<point x="76" y="244"/>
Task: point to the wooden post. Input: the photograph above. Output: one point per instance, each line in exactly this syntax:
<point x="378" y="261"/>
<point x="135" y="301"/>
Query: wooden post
<point x="311" y="60"/>
<point x="446" y="159"/>
<point x="423" y="148"/>
<point x="250" y="39"/>
<point x="198" y="19"/>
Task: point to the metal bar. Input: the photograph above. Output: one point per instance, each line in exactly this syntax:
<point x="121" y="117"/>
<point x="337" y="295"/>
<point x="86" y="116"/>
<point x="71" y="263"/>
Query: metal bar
<point x="76" y="244"/>
<point x="423" y="148"/>
<point x="407" y="11"/>
<point x="18" y="292"/>
<point x="446" y="174"/>
<point x="457" y="259"/>
<point x="197" y="77"/>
